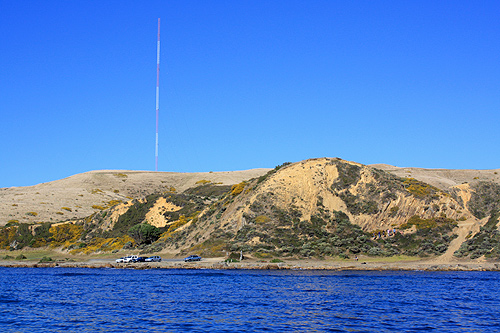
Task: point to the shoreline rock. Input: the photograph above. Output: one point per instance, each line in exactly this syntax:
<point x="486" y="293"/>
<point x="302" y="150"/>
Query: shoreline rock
<point x="336" y="266"/>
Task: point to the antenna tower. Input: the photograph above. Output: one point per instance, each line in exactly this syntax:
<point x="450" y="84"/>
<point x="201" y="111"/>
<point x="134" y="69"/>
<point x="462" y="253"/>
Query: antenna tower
<point x="157" y="93"/>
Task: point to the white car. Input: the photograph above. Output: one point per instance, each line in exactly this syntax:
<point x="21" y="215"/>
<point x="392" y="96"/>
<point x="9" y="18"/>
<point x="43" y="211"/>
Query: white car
<point x="127" y="258"/>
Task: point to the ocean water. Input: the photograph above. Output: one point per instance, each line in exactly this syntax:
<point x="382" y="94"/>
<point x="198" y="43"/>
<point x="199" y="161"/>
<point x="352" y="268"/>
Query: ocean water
<point x="122" y="300"/>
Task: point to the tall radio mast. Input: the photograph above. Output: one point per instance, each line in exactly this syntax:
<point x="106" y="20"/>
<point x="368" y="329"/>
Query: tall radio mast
<point x="157" y="93"/>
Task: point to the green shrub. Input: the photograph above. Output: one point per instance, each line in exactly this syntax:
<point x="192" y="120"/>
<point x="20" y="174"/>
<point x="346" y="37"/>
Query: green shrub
<point x="144" y="233"/>
<point x="485" y="198"/>
<point x="486" y="242"/>
<point x="394" y="211"/>
<point x="231" y="260"/>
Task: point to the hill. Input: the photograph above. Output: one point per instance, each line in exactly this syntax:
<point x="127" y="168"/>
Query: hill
<point x="314" y="208"/>
<point x="83" y="194"/>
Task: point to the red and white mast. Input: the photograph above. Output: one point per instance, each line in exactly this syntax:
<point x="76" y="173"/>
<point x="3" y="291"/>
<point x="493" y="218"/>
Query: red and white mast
<point x="157" y="93"/>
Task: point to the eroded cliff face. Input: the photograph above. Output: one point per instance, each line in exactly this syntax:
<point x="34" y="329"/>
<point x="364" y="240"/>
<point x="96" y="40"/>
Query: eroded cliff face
<point x="371" y="198"/>
<point x="327" y="207"/>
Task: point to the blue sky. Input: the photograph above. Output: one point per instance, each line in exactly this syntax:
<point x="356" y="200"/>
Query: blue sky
<point x="246" y="84"/>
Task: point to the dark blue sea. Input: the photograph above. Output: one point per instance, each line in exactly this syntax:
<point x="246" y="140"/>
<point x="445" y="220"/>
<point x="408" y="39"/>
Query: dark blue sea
<point x="162" y="300"/>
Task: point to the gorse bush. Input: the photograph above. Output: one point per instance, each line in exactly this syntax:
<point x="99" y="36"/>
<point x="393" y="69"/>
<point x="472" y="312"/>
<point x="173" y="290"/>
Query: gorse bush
<point x="262" y="219"/>
<point x="420" y="223"/>
<point x="120" y="175"/>
<point x="100" y="244"/>
<point x="65" y="234"/>
<point x="421" y="189"/>
<point x="238" y="188"/>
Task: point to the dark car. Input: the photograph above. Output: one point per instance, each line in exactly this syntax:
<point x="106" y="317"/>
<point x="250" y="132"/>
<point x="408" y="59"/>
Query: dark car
<point x="139" y="259"/>
<point x="193" y="257"/>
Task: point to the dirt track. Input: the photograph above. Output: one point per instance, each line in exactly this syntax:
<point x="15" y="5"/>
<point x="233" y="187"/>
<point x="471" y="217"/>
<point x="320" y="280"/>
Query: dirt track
<point x="306" y="264"/>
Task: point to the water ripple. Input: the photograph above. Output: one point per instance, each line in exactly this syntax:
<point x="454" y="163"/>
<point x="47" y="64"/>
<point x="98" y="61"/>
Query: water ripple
<point x="71" y="299"/>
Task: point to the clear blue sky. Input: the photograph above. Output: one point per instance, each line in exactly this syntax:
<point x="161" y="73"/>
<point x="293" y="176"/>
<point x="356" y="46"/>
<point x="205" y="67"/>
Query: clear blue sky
<point x="246" y="84"/>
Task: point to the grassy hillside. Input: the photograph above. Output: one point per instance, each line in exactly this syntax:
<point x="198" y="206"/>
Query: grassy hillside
<point x="313" y="208"/>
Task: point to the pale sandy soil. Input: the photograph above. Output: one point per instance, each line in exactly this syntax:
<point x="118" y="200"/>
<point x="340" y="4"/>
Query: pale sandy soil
<point x="442" y="178"/>
<point x="73" y="197"/>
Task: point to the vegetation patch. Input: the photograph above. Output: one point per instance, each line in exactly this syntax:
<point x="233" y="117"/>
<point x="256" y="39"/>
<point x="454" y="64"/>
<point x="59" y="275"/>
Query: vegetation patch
<point x="271" y="172"/>
<point x="486" y="242"/>
<point x="135" y="214"/>
<point x="485" y="198"/>
<point x="45" y="259"/>
<point x="120" y="175"/>
<point x="99" y="244"/>
<point x="144" y="233"/>
<point x="237" y="188"/>
<point x="286" y="234"/>
<point x="420" y="189"/>
<point x="19" y="235"/>
<point x="393" y="211"/>
<point x="357" y="205"/>
<point x="208" y="190"/>
<point x="210" y="248"/>
<point x="65" y="234"/>
<point x="420" y="223"/>
<point x="262" y="219"/>
<point x="349" y="175"/>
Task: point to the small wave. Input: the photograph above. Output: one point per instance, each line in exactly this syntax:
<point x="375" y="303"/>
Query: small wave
<point x="9" y="301"/>
<point x="74" y="274"/>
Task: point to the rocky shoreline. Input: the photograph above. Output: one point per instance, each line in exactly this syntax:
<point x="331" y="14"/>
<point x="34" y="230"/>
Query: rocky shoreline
<point x="314" y="265"/>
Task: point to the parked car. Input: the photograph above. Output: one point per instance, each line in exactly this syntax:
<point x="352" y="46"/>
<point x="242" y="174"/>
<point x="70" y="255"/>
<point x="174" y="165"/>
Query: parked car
<point x="192" y="257"/>
<point x="153" y="258"/>
<point x="130" y="258"/>
<point x="120" y="259"/>
<point x="139" y="259"/>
